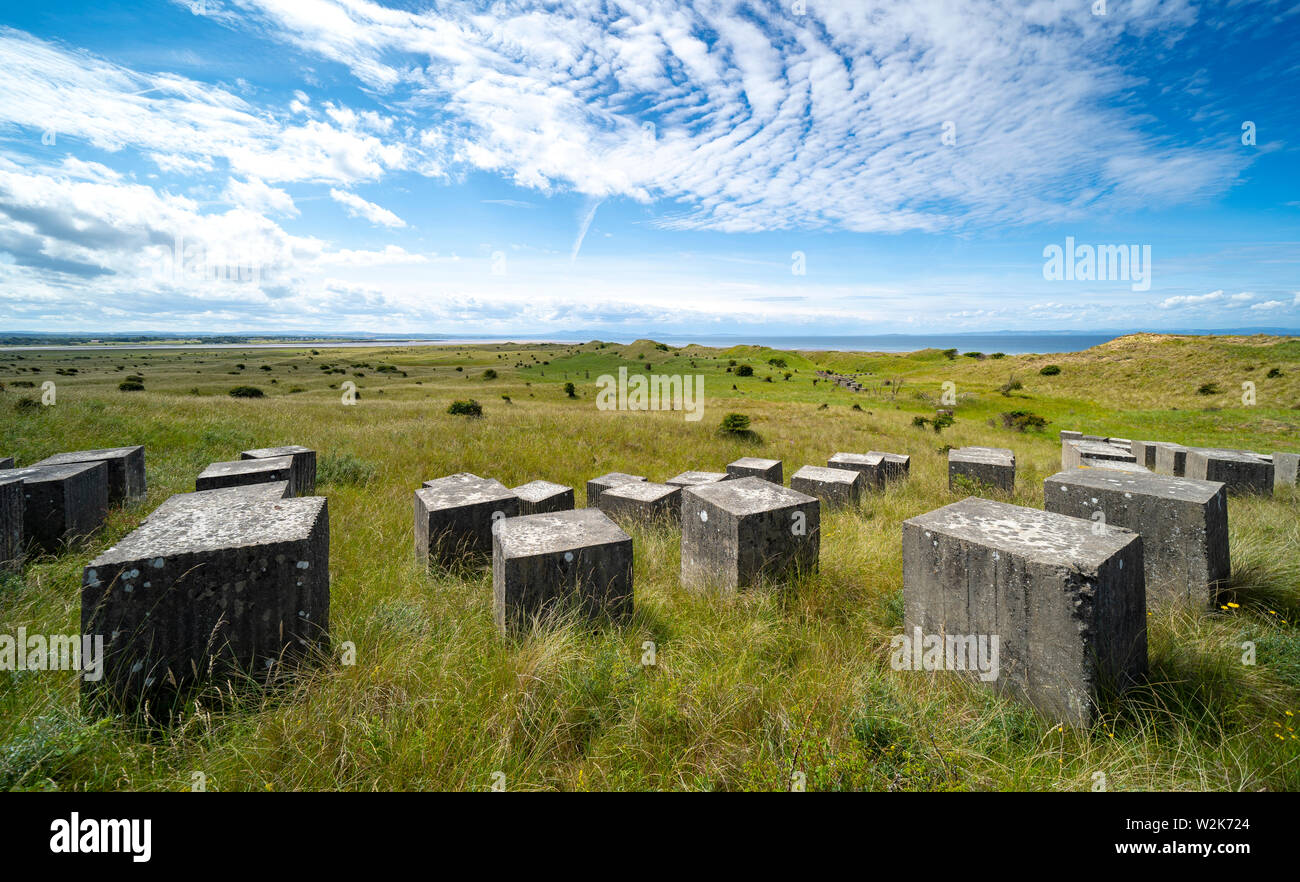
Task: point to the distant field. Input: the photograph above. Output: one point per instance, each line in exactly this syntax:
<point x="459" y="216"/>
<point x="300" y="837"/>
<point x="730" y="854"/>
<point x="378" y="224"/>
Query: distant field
<point x="745" y="690"/>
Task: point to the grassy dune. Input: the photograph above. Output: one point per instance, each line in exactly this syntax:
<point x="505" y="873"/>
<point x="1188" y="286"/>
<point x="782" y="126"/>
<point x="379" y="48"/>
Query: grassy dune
<point x="746" y="690"/>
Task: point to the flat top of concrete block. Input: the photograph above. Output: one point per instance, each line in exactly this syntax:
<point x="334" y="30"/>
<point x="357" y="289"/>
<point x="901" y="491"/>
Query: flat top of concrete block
<point x="754" y="462"/>
<point x="744" y="496"/>
<point x="536" y="491"/>
<point x="556" y="532"/>
<point x="462" y="489"/>
<point x="246" y="466"/>
<point x="268" y="452"/>
<point x="891" y="457"/>
<point x="223" y="495"/>
<point x="692" y="478"/>
<point x="1135" y="483"/>
<point x="1041" y="536"/>
<point x="1098" y="449"/>
<point x="1121" y="465"/>
<point x="858" y="458"/>
<point x="642" y="491"/>
<point x="827" y="475"/>
<point x="1227" y="453"/>
<point x="193" y="524"/>
<point x="38" y="473"/>
<point x="1000" y="455"/>
<point x="613" y="478"/>
<point x="89" y="455"/>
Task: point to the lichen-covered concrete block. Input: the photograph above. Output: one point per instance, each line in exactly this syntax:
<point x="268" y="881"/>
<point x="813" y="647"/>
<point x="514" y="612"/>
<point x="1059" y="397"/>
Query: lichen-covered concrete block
<point x="236" y="496"/>
<point x="598" y="485"/>
<point x="1073" y="452"/>
<point x="1285" y="467"/>
<point x="987" y="466"/>
<point x="1241" y="470"/>
<point x="833" y="486"/>
<point x="248" y="471"/>
<point x="556" y="561"/>
<point x="304" y="464"/>
<point x="543" y="497"/>
<point x="126" y="481"/>
<point x="454" y="517"/>
<point x="62" y="503"/>
<point x="1171" y="459"/>
<point x="1183" y="523"/>
<point x="691" y="479"/>
<point x="642" y="501"/>
<point x="756" y="467"/>
<point x="868" y="464"/>
<point x="893" y="466"/>
<point x="11" y="523"/>
<point x="747" y="531"/>
<point x="209" y="590"/>
<point x="1066" y="603"/>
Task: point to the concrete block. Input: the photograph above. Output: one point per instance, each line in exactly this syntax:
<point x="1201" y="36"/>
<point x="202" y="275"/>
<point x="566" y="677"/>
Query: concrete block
<point x="869" y="464"/>
<point x="454" y="517"/>
<point x="1241" y="470"/>
<point x="1183" y="523"/>
<point x="207" y="591"/>
<point x="893" y="466"/>
<point x="304" y="464"/>
<point x="597" y="485"/>
<point x="236" y="496"/>
<point x="1069" y="435"/>
<point x="248" y="471"/>
<point x="1115" y="465"/>
<point x="62" y="503"/>
<point x="642" y="501"/>
<point x="1171" y="459"/>
<point x="6" y="462"/>
<point x="832" y="486"/>
<point x="126" y="481"/>
<point x="1285" y="467"/>
<point x="1067" y="604"/>
<point x="11" y="524"/>
<point x="551" y="562"/>
<point x="746" y="532"/>
<point x="1073" y="452"/>
<point x="1144" y="452"/>
<point x="1123" y="443"/>
<point x="755" y="467"/>
<point x="1100" y="439"/>
<point x="691" y="479"/>
<point x="989" y="466"/>
<point x="543" y="497"/>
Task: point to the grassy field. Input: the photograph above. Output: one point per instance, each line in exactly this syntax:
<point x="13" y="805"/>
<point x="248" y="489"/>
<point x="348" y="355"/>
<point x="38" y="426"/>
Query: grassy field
<point x="745" y="691"/>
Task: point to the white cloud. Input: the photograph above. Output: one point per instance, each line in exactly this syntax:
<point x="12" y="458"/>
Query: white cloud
<point x="255" y="195"/>
<point x="1269" y="305"/>
<point x="358" y="207"/>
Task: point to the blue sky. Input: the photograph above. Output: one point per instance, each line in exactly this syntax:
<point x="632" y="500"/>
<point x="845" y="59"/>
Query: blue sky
<point x="712" y="167"/>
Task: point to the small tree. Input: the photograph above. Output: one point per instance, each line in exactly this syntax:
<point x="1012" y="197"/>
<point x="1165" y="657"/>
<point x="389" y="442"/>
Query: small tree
<point x="745" y="371"/>
<point x="469" y="408"/>
<point x="734" y="424"/>
<point x="570" y="390"/>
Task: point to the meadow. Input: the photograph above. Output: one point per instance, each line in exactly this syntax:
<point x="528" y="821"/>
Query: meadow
<point x="746" y="692"/>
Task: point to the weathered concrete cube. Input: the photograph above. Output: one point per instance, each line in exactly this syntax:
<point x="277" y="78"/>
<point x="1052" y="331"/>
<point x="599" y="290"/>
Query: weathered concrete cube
<point x="833" y="486"/>
<point x="756" y="467"/>
<point x="868" y="464"/>
<point x="1066" y="604"/>
<point x="1073" y="452"/>
<point x="1069" y="435"/>
<point x="1100" y="439"/>
<point x="6" y="462"/>
<point x="125" y="469"/>
<point x="988" y="466"/>
<point x="1171" y="459"/>
<point x="691" y="479"/>
<point x="1144" y="452"/>
<point x="747" y="531"/>
<point x="1285" y="467"/>
<point x="893" y="466"/>
<point x="543" y="497"/>
<point x="62" y="503"/>
<point x="248" y="471"/>
<point x="642" y="501"/>
<point x="209" y="589"/>
<point x="454" y="517"/>
<point x="551" y="562"/>
<point x="1125" y="443"/>
<point x="11" y="523"/>
<point x="304" y="464"/>
<point x="224" y="496"/>
<point x="1183" y="523"/>
<point x="1116" y="465"/>
<point x="1241" y="470"/>
<point x="598" y="485"/>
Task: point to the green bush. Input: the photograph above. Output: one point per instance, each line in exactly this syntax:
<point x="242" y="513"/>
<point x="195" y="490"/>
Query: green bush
<point x="1050" y="370"/>
<point x="734" y="424"/>
<point x="570" y="390"/>
<point x="1022" y="420"/>
<point x="131" y="386"/>
<point x="489" y="374"/>
<point x="745" y="371"/>
<point x="247" y="392"/>
<point x="466" y="408"/>
<point x="1208" y="389"/>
